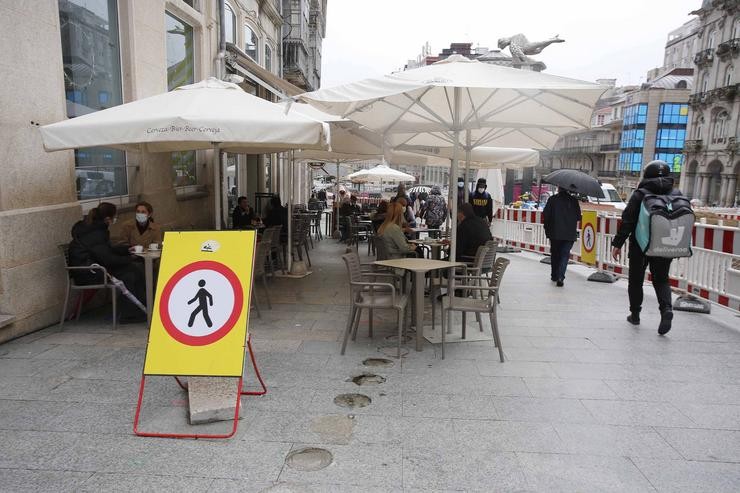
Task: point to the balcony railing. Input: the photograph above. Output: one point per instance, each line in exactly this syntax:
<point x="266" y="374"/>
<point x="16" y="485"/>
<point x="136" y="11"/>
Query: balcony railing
<point x="726" y="93"/>
<point x="704" y="57"/>
<point x="609" y="147"/>
<point x="730" y="48"/>
<point x="295" y="64"/>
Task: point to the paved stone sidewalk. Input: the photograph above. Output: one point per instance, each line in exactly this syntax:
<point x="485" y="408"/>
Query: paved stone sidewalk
<point x="585" y="402"/>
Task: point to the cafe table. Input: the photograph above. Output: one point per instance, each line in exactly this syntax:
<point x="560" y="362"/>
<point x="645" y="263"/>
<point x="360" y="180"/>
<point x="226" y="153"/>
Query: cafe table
<point x="418" y="231"/>
<point x="435" y="245"/>
<point x="149" y="257"/>
<point x="419" y="266"/>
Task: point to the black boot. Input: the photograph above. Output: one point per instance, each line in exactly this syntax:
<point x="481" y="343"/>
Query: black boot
<point x="634" y="318"/>
<point x="666" y="317"/>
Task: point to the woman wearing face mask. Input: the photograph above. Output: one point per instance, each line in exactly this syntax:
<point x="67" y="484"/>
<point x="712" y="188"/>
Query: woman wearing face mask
<point x="141" y="230"/>
<point x="91" y="245"/>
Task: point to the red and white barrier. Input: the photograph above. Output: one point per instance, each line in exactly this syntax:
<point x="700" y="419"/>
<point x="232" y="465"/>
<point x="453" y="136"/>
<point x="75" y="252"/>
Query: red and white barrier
<point x="709" y="273"/>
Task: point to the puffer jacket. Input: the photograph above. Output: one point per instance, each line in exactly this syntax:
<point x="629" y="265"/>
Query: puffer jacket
<point x="661" y="185"/>
<point x="91" y="245"/>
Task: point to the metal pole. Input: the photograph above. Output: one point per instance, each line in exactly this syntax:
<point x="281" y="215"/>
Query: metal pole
<point x="335" y="215"/>
<point x="453" y="172"/>
<point x="216" y="186"/>
<point x="467" y="165"/>
<point x="221" y="57"/>
<point x="289" y="260"/>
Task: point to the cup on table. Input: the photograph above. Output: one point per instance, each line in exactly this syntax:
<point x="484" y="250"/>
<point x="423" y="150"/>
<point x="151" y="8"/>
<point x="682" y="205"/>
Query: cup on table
<point x="138" y="248"/>
<point x="153" y="246"/>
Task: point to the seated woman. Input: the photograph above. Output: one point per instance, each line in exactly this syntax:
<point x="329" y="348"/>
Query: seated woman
<point x="141" y="230"/>
<point x="391" y="234"/>
<point x="91" y="245"/>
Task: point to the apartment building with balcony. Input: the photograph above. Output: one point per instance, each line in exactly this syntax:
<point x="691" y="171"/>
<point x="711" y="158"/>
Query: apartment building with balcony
<point x="712" y="148"/>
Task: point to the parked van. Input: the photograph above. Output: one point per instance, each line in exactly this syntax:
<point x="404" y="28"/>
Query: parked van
<point x="611" y="197"/>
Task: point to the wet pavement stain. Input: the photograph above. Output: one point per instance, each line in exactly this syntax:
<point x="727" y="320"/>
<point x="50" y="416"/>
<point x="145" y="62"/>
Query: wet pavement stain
<point x="309" y="459"/>
<point x="333" y="429"/>
<point x="367" y="379"/>
<point x="378" y="362"/>
<point x="352" y="401"/>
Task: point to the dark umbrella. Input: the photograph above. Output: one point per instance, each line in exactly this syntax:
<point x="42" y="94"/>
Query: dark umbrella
<point x="575" y="181"/>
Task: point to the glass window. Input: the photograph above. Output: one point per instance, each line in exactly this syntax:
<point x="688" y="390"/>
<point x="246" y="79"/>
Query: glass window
<point x="736" y="29"/>
<point x="705" y="82"/>
<point x="251" y="44"/>
<point x="630" y="161"/>
<point x="180" y="71"/>
<point x="711" y="40"/>
<point x="674" y="160"/>
<point x="180" y="55"/>
<point x="268" y="58"/>
<point x="673" y="113"/>
<point x="92" y="82"/>
<point x="729" y="75"/>
<point x="229" y="24"/>
<point x="192" y="3"/>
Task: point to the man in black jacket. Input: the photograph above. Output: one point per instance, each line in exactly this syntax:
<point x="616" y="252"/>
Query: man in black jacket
<point x="482" y="201"/>
<point x="472" y="232"/>
<point x="561" y="215"/>
<point x="657" y="179"/>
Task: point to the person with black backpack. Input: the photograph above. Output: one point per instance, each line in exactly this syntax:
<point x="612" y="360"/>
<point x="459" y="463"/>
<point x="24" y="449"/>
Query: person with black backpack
<point x="655" y="200"/>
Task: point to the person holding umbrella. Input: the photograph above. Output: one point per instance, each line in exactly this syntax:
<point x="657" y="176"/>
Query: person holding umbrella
<point x="561" y="215"/>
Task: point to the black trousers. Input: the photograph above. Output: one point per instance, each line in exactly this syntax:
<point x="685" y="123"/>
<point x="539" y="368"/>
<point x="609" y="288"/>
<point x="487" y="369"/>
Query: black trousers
<point x="659" y="268"/>
<point x="559" y="255"/>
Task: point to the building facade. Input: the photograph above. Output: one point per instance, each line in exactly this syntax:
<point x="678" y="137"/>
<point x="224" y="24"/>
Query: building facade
<point x="713" y="146"/>
<point x="303" y="33"/>
<point x="80" y="56"/>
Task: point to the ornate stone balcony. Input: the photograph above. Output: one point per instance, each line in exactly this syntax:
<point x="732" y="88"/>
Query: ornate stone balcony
<point x="704" y="58"/>
<point x="730" y="48"/>
<point x="694" y="145"/>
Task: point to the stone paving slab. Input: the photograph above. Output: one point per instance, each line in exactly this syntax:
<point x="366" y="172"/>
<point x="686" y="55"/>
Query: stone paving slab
<point x="584" y="402"/>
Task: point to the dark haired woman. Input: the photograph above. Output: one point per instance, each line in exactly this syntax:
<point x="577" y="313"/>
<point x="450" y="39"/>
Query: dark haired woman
<point x="141" y="230"/>
<point x="91" y="245"/>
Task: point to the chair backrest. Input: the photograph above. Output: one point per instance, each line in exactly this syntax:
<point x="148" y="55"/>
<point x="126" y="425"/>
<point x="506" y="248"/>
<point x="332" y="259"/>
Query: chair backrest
<point x="272" y="234"/>
<point x="352" y="261"/>
<point x="498" y="271"/>
<point x="480" y="257"/>
<point x="381" y="251"/>
<point x="64" y="248"/>
<point x="261" y="255"/>
<point x="490" y="257"/>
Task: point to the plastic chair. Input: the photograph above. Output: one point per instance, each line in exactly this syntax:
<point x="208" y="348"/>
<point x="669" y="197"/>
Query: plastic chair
<point x="477" y="306"/>
<point x="367" y="293"/>
<point x="73" y="286"/>
<point x="261" y="257"/>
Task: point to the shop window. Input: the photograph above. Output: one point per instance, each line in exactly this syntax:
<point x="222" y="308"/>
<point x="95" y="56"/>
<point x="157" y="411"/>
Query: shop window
<point x="229" y="24"/>
<point x="268" y="58"/>
<point x="92" y="82"/>
<point x="251" y="43"/>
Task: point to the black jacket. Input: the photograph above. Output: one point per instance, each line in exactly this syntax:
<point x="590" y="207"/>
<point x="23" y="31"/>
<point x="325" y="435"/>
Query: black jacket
<point x="661" y="185"/>
<point x="482" y="204"/>
<point x="471" y="233"/>
<point x="91" y="245"/>
<point x="562" y="214"/>
<point x="242" y="219"/>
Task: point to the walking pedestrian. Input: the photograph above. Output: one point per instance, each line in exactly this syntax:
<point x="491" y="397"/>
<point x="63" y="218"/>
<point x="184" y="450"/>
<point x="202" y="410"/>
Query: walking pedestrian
<point x="481" y="201"/>
<point x="562" y="214"/>
<point x="657" y="180"/>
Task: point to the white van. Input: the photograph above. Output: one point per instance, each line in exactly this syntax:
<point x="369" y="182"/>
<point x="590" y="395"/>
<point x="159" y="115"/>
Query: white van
<point x="611" y="197"/>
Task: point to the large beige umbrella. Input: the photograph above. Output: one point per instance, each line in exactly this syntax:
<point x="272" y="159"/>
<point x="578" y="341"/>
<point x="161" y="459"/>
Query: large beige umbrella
<point x="210" y="114"/>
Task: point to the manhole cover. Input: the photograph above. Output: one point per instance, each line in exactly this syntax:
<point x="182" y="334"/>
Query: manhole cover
<point x="352" y="400"/>
<point x="367" y="379"/>
<point x="309" y="459"/>
<point x="379" y="362"/>
<point x="394" y="337"/>
<point x="393" y="351"/>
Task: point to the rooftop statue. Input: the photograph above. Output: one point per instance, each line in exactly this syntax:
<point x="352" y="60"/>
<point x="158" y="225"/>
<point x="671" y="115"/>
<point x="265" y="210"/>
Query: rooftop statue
<point x="520" y="47"/>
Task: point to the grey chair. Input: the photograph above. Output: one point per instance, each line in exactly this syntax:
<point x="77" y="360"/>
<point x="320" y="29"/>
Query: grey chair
<point x="367" y="293"/>
<point x="272" y="234"/>
<point x="73" y="286"/>
<point x="474" y="305"/>
<point x="261" y="258"/>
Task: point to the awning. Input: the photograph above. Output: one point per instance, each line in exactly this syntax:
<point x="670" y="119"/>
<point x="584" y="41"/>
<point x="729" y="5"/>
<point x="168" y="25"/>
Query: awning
<point x="247" y="67"/>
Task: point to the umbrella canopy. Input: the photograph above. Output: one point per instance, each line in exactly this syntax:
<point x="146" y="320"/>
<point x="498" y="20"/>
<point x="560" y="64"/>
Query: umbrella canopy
<point x="480" y="157"/>
<point x="189" y="118"/>
<point x="576" y="181"/>
<point x="380" y="173"/>
<point x="493" y="105"/>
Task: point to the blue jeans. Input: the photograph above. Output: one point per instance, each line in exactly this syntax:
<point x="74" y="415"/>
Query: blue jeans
<point x="559" y="253"/>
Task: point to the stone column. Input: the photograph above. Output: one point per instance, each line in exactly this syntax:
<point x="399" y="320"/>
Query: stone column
<point x="696" y="191"/>
<point x="724" y="179"/>
<point x="731" y="192"/>
<point x="706" y="178"/>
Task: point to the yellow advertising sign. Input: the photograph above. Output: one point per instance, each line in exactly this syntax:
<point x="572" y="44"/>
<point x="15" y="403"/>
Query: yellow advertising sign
<point x="588" y="237"/>
<point x="201" y="310"/>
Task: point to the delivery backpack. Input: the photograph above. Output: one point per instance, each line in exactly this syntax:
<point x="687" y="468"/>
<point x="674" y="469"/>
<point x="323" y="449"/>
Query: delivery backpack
<point x="664" y="226"/>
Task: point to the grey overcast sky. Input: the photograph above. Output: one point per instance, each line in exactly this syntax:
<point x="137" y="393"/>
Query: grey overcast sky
<point x="604" y="39"/>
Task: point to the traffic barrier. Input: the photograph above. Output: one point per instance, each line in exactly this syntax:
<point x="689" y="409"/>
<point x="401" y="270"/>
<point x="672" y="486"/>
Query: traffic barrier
<point x="712" y="273"/>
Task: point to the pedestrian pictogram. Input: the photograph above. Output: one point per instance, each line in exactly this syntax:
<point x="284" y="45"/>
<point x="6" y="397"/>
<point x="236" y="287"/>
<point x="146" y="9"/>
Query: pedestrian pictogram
<point x="199" y="325"/>
<point x="588" y="237"/>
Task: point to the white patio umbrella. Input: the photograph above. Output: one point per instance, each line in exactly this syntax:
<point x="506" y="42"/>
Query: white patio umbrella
<point x="210" y="114"/>
<point x="432" y="105"/>
<point x="381" y="172"/>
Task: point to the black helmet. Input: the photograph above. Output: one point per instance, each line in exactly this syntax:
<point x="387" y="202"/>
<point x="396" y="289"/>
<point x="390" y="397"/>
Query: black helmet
<point x="657" y="168"/>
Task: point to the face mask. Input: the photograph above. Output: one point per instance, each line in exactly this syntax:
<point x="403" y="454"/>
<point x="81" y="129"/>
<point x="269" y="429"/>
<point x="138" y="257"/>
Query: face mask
<point x="141" y="218"/>
<point x="460" y="184"/>
<point x="114" y="220"/>
<point x="481" y="190"/>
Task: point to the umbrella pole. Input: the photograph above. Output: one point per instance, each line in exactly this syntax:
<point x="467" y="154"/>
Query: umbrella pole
<point x="335" y="215"/>
<point x="467" y="165"/>
<point x="216" y="187"/>
<point x="453" y="175"/>
<point x="289" y="258"/>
